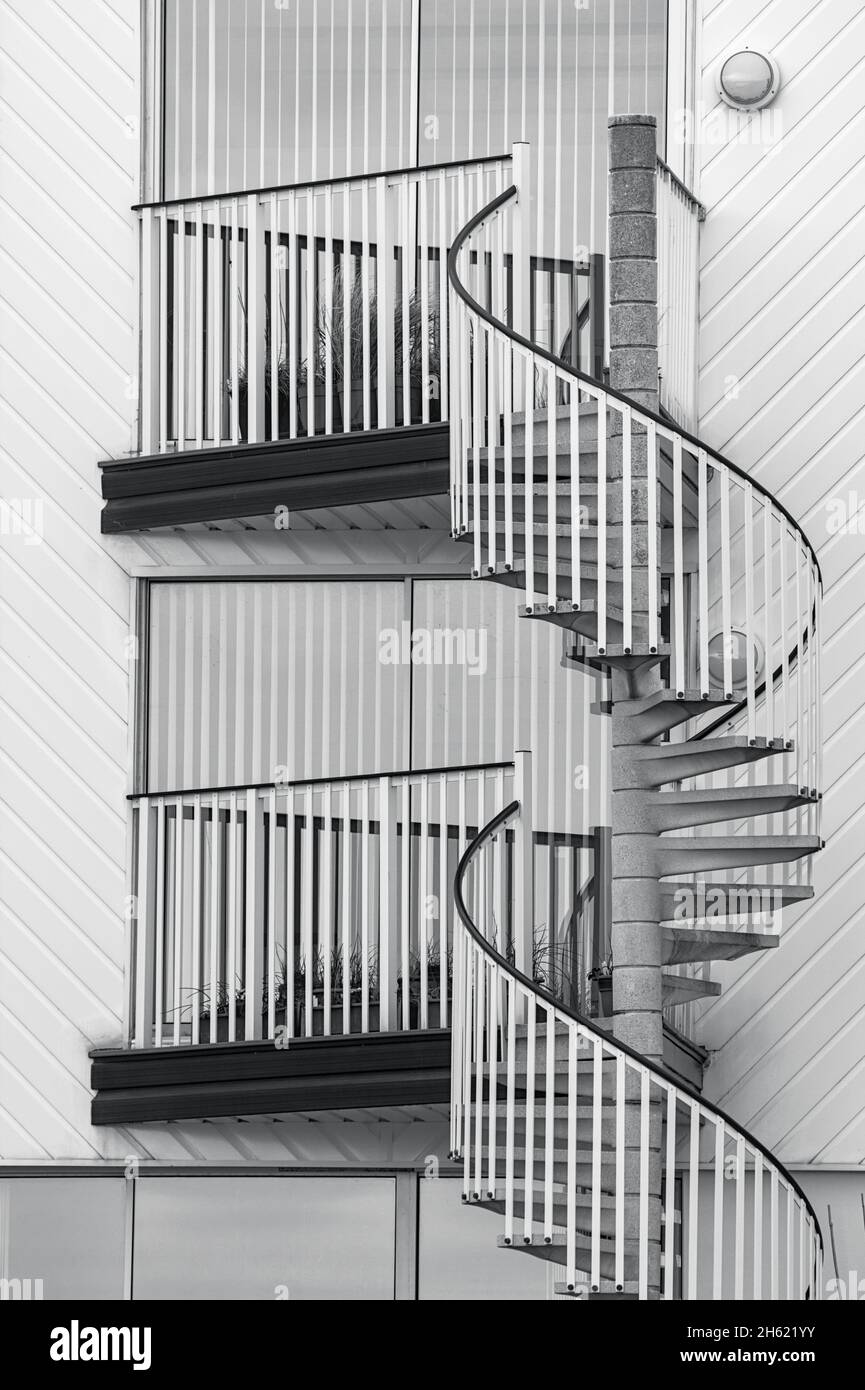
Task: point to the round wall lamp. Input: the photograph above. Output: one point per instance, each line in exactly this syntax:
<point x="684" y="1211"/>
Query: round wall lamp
<point x="748" y="79"/>
<point x="738" y="649"/>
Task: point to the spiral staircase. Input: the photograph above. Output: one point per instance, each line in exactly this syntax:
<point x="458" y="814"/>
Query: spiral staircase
<point x="665" y="563"/>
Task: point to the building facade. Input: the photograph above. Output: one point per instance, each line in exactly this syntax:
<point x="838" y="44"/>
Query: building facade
<point x="292" y="611"/>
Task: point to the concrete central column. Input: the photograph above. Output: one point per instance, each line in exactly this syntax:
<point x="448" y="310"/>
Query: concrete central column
<point x="633" y="272"/>
<point x="636" y="938"/>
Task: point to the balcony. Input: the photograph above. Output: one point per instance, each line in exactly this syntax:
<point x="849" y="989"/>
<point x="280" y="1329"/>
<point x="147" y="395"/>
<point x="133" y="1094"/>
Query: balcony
<point x="295" y="342"/>
<point x="281" y="925"/>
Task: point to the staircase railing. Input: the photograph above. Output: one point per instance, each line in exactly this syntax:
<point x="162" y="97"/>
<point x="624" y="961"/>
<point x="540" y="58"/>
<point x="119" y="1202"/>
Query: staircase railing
<point x="679" y="217"/>
<point x="622" y="525"/>
<point x="742" y="580"/>
<point x="581" y="1143"/>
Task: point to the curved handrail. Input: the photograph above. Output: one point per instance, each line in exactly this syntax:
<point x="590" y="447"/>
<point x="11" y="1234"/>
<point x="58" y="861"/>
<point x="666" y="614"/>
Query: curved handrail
<point x="640" y="413"/>
<point x="667" y="1077"/>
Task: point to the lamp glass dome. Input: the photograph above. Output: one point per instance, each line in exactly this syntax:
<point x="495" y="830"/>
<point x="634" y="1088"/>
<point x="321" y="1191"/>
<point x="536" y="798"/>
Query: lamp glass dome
<point x="747" y="78"/>
<point x="738" y="659"/>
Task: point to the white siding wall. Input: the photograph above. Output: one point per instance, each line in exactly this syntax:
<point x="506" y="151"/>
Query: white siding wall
<point x="70" y="155"/>
<point x="68" y="91"/>
<point x="783" y="393"/>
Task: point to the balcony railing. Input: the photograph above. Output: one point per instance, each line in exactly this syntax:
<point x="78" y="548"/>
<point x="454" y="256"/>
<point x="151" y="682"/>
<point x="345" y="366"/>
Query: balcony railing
<point x="326" y="907"/>
<point x="679" y="218"/>
<point x="322" y="309"/>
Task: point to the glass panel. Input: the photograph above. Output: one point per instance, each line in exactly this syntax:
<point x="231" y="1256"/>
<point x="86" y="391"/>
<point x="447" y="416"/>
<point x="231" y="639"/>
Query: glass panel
<point x="491" y="682"/>
<point x="267" y="681"/>
<point x="458" y="1257"/>
<point x="258" y="93"/>
<point x="62" y="1237"/>
<point x="496" y="71"/>
<point x="264" y="1238"/>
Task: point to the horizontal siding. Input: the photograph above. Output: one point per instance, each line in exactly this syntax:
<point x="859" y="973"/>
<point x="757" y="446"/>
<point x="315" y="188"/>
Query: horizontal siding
<point x="783" y="393"/>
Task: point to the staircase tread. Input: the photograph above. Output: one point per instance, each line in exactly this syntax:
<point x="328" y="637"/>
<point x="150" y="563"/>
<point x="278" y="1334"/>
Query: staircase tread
<point x="559" y="1239"/>
<point x="721" y="933"/>
<point x="566" y="608"/>
<point x="732" y="741"/>
<point x="747" y="793"/>
<point x="584" y="1196"/>
<point x="560" y="1110"/>
<point x="701" y="842"/>
<point x="804" y="891"/>
<point x="691" y="945"/>
<point x="689" y="987"/>
<point x="562" y="489"/>
<point x="669" y="696"/>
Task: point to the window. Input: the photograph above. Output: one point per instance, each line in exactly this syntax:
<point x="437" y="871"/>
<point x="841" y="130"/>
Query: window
<point x="459" y="1257"/>
<point x="265" y="1238"/>
<point x="257" y="94"/>
<point x="259" y="681"/>
<point x="494" y="72"/>
<point x="62" y="1237"/>
<point x="268" y="681"/>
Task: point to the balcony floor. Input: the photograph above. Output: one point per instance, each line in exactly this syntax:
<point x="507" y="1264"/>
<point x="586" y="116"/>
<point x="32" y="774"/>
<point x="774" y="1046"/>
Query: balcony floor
<point x="252" y="480"/>
<point x="257" y="1078"/>
<point x="312" y="1075"/>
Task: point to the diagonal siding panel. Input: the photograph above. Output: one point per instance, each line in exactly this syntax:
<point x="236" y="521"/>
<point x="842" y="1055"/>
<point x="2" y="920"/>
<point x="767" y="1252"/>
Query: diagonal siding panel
<point x="782" y="391"/>
<point x="68" y="164"/>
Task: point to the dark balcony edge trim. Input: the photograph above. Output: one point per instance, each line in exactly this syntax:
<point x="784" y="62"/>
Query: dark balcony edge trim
<point x="254" y="1078"/>
<point x="251" y="480"/>
<point x="229" y="1080"/>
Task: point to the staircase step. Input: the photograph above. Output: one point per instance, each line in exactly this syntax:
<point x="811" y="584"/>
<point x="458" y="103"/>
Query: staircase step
<point x="588" y="421"/>
<point x="663" y="710"/>
<point x="655" y="765"/>
<point x="707" y="853"/>
<point x="678" y="810"/>
<point x="717" y="901"/>
<point x="685" y="989"/>
<point x="686" y="945"/>
<point x="585" y="1117"/>
<point x="583" y="1167"/>
<point x="555" y="1249"/>
<point x="583" y="620"/>
<point x="607" y="1291"/>
<point x="559" y="1213"/>
<point x="563" y="463"/>
<point x="514" y="577"/>
<point x="585" y="1093"/>
<point x="631" y="659"/>
<point x="561" y="570"/>
<point x="583" y="1164"/>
